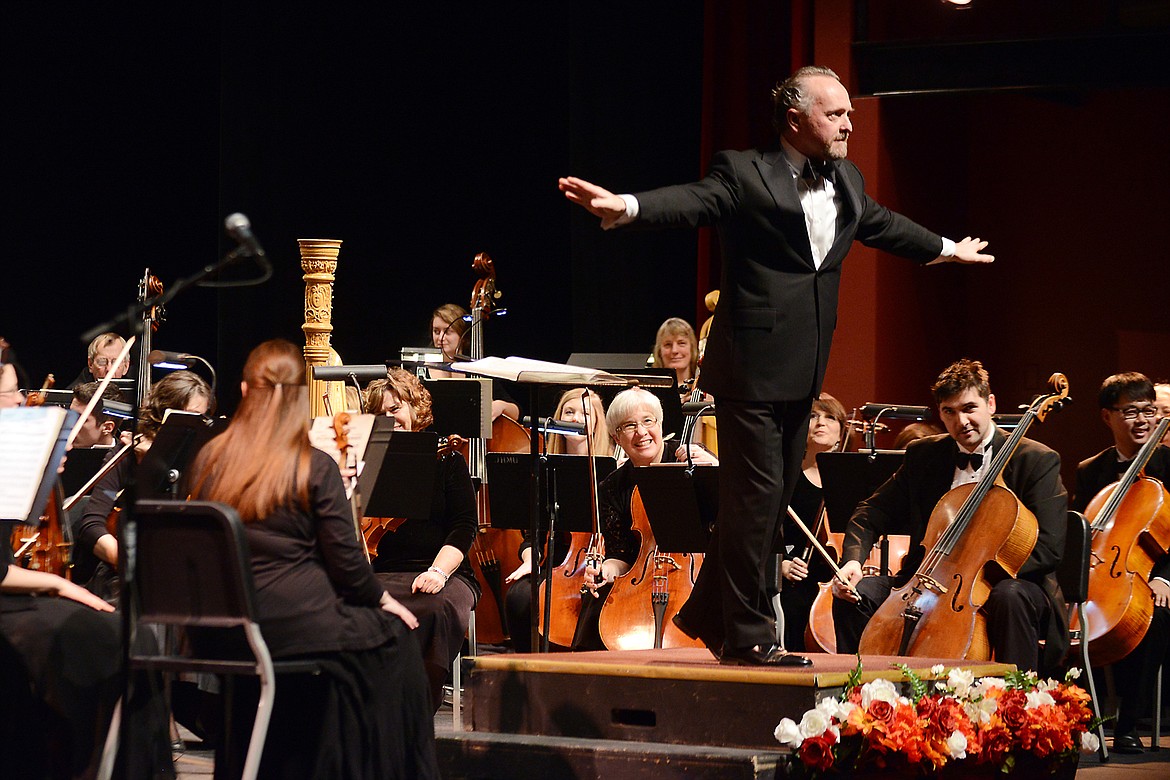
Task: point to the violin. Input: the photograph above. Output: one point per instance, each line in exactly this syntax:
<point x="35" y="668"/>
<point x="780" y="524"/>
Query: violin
<point x="49" y="546"/>
<point x="1131" y="532"/>
<point x="937" y="613"/>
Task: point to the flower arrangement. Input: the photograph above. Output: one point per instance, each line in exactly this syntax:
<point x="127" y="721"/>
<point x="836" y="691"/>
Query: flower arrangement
<point x="1004" y="723"/>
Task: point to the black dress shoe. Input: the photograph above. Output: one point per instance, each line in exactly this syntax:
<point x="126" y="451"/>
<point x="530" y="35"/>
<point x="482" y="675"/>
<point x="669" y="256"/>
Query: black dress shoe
<point x="1127" y="743"/>
<point x="714" y="645"/>
<point x="762" y="656"/>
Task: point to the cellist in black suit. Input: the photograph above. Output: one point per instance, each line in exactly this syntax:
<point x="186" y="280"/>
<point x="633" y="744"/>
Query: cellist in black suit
<point x="1128" y="407"/>
<point x="1019" y="611"/>
<point x="786" y="217"/>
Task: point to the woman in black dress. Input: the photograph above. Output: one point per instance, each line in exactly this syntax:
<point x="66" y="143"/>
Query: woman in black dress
<point x="422" y="562"/>
<point x="367" y="715"/>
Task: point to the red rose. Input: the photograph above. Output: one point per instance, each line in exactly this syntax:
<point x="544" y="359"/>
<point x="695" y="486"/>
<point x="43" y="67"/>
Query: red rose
<point x="881" y="711"/>
<point x="927" y="707"/>
<point x="996" y="745"/>
<point x="1014" y="715"/>
<point x="817" y="752"/>
<point x="949" y="716"/>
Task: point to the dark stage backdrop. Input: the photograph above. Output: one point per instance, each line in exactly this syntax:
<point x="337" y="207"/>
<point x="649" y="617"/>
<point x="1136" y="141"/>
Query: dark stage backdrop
<point x="419" y="137"/>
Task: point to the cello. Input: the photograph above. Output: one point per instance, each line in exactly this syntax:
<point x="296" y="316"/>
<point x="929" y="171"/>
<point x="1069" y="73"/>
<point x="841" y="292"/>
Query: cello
<point x="492" y="548"/>
<point x="938" y="612"/>
<point x="1131" y="532"/>
<point x="639" y="609"/>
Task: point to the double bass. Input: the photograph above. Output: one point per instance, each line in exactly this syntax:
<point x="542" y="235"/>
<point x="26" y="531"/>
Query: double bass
<point x="938" y="612"/>
<point x="493" y="549"/>
<point x="1130" y="522"/>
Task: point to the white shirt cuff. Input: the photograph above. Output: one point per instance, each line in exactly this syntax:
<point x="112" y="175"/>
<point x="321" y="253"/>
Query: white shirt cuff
<point x="631" y="211"/>
<point x="948" y="251"/>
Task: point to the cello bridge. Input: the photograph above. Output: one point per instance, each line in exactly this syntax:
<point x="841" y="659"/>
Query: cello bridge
<point x="931" y="584"/>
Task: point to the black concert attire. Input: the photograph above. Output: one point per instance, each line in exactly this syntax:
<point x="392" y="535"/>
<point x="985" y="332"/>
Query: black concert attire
<point x="97" y="576"/>
<point x="368" y="714"/>
<point x="60" y="677"/>
<point x="84" y="377"/>
<point x="518" y="599"/>
<point x="1136" y="674"/>
<point x="796" y="598"/>
<point x="410" y="550"/>
<point x="1019" y="611"/>
<point x="766" y="355"/>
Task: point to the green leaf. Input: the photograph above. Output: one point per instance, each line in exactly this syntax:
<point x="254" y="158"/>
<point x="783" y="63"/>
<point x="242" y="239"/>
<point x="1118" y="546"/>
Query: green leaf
<point x="918" y="688"/>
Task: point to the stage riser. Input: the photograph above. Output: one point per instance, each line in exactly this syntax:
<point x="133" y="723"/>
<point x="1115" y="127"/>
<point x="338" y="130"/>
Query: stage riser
<point x="694" y="712"/>
<point x="509" y="757"/>
<point x="680" y="696"/>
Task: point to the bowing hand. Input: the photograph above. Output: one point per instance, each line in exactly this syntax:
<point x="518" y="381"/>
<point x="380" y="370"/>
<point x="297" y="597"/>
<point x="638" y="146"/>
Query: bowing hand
<point x="794" y="569"/>
<point x="1161" y="592"/>
<point x="970" y="250"/>
<point x="846" y="579"/>
<point x="598" y="201"/>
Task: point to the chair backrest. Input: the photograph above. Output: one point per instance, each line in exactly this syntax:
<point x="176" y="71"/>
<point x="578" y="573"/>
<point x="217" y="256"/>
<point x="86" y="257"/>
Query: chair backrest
<point x="192" y="564"/>
<point x="1073" y="570"/>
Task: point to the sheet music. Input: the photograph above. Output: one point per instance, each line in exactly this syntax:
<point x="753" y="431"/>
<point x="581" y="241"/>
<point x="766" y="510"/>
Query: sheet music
<point x="28" y="437"/>
<point x="518" y="369"/>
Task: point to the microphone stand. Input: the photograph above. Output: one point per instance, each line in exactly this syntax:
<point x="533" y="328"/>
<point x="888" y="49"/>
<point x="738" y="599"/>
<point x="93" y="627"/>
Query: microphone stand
<point x="128" y="529"/>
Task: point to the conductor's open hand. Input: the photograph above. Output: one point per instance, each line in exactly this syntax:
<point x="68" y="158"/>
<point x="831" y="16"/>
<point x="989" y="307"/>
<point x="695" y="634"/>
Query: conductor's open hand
<point x="600" y="202"/>
<point x="969" y="250"/>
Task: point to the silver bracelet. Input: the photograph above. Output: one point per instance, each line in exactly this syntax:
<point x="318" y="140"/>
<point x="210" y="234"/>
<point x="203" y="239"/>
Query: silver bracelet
<point x="440" y="572"/>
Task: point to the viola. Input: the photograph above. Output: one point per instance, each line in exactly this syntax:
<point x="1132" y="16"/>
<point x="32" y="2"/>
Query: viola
<point x="1130" y="521"/>
<point x="937" y="613"/>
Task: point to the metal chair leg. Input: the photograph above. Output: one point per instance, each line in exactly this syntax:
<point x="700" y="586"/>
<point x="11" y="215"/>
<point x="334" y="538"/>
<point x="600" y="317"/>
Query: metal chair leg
<point x="1088" y="672"/>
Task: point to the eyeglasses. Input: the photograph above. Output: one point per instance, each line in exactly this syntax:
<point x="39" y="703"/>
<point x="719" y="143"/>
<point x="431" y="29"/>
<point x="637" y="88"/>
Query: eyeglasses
<point x="1131" y="413"/>
<point x="632" y="427"/>
<point x="103" y="362"/>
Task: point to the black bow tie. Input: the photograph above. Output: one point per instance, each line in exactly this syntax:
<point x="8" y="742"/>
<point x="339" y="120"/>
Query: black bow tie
<point x="813" y="170"/>
<point x="963" y="460"/>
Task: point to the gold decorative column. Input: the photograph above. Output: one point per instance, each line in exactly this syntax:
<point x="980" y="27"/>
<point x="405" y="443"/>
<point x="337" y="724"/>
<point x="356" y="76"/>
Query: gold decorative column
<point x="319" y="262"/>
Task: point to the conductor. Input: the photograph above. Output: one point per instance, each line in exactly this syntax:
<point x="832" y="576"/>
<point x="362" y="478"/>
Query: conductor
<point x="786" y="219"/>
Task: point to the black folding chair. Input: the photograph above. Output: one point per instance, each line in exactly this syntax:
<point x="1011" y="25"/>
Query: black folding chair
<point x="193" y="569"/>
<point x="1073" y="575"/>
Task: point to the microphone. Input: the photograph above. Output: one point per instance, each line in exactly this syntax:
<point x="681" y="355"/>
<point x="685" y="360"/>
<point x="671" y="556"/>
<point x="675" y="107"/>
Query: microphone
<point x="240" y="229"/>
<point x="895" y="412"/>
<point x="180" y="359"/>
<point x="547" y="425"/>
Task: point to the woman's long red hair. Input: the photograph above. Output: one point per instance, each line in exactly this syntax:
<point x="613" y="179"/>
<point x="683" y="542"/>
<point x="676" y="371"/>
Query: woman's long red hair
<point x="261" y="462"/>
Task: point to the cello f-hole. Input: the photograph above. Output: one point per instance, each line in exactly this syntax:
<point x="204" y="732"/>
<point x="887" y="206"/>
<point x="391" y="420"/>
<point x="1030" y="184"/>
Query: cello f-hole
<point x="956" y="605"/>
<point x="1113" y="572"/>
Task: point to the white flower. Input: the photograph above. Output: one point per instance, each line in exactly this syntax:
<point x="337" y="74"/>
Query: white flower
<point x="980" y="711"/>
<point x="1089" y="742"/>
<point x="787" y="733"/>
<point x="813" y="724"/>
<point x="987" y="684"/>
<point x="1047" y="685"/>
<point x="957" y="745"/>
<point x="844" y="709"/>
<point x="829" y="706"/>
<point x="878" y="690"/>
<point x="1073" y="674"/>
<point x="1034" y="699"/>
<point x="937" y="669"/>
<point x="961" y="681"/>
<point x="939" y="685"/>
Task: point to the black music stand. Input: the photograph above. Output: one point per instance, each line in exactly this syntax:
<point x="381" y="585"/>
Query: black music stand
<point x="681" y="504"/>
<point x="398" y="479"/>
<point x="181" y="436"/>
<point x="567" y="481"/>
<point x="458" y="406"/>
<point x="848" y="478"/>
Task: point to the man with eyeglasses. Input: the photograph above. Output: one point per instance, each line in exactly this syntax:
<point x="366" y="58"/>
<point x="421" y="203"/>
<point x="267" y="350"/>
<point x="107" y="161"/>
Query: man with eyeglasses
<point x="1128" y="408"/>
<point x="103" y="351"/>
